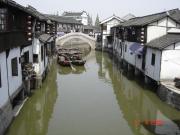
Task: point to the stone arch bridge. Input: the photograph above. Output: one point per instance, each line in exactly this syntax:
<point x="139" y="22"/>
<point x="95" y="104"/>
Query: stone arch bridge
<point x="60" y="41"/>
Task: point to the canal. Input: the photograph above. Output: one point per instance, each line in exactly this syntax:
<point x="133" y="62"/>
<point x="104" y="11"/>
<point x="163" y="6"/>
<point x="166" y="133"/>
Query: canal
<point x="96" y="99"/>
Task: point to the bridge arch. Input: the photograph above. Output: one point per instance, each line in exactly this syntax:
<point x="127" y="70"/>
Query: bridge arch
<point x="60" y="41"/>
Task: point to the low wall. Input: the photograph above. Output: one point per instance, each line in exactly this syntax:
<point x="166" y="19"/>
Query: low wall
<point x="169" y="96"/>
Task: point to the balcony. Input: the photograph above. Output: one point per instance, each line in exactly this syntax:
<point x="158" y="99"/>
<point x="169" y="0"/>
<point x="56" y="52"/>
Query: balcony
<point x="11" y="39"/>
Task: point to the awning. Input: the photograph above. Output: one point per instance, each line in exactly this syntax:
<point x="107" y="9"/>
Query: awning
<point x="137" y="48"/>
<point x="45" y="38"/>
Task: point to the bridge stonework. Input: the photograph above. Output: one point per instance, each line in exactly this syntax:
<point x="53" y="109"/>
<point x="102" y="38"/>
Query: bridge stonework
<point x="60" y="41"/>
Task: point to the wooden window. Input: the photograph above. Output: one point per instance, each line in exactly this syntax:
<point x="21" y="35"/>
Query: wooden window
<point x="153" y="59"/>
<point x="35" y="58"/>
<point x="14" y="66"/>
<point x="3" y="19"/>
<point x="42" y="53"/>
<point x="47" y="49"/>
<point x="42" y="27"/>
<point x="26" y="57"/>
<point x="125" y="48"/>
<point x="104" y="27"/>
<point x="139" y="56"/>
<point x="0" y="78"/>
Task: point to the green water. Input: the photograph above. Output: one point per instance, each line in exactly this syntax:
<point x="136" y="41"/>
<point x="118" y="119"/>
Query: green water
<point x="96" y="99"/>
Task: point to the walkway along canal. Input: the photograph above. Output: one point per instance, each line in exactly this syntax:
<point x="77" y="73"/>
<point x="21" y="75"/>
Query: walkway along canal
<point x="95" y="100"/>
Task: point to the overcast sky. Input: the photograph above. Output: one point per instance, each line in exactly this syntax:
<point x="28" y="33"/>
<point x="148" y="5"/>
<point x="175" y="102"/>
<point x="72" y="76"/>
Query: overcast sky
<point x="104" y="8"/>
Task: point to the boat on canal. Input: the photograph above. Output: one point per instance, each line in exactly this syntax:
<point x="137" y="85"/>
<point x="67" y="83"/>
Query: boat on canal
<point x="78" y="62"/>
<point x="64" y="60"/>
<point x="77" y="59"/>
<point x="66" y="57"/>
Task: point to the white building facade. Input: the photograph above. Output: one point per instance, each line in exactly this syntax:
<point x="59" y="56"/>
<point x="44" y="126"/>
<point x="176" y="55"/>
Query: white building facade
<point x="81" y="17"/>
<point x="163" y="60"/>
<point x="140" y="43"/>
<point x="106" y="26"/>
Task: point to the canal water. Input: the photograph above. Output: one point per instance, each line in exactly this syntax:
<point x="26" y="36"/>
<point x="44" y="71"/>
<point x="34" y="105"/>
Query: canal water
<point x="96" y="99"/>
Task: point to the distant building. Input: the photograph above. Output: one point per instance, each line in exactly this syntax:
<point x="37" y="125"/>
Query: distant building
<point x="91" y="30"/>
<point x="106" y="28"/>
<point x="79" y="16"/>
<point x="66" y="24"/>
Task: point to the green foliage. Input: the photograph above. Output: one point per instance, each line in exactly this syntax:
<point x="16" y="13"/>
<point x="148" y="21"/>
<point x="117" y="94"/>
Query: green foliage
<point x="90" y="21"/>
<point x="97" y="22"/>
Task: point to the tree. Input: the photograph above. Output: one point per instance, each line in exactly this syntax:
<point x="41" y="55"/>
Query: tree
<point x="97" y="22"/>
<point x="90" y="21"/>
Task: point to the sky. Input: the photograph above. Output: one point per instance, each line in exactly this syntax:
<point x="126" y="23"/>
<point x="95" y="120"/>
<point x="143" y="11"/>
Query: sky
<point x="104" y="8"/>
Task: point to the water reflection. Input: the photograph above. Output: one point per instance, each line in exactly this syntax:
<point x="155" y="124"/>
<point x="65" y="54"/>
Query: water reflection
<point x="36" y="114"/>
<point x="104" y="66"/>
<point x="68" y="70"/>
<point x="138" y="104"/>
<point x="96" y="99"/>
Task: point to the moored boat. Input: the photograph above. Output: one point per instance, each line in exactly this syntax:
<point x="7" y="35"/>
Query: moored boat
<point x="63" y="60"/>
<point x="78" y="62"/>
<point x="66" y="57"/>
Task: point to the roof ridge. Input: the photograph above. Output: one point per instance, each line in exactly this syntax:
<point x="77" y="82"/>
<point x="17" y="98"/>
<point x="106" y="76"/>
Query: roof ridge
<point x="31" y="7"/>
<point x="113" y="16"/>
<point x="59" y="18"/>
<point x="160" y="42"/>
<point x="73" y="12"/>
<point x="157" y="13"/>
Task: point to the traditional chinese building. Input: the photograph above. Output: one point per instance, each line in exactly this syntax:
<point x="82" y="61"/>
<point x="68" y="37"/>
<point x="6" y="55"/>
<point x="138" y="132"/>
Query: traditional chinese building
<point x="66" y="24"/>
<point x="81" y="17"/>
<point x="146" y="43"/>
<point x="106" y="30"/>
<point x="27" y="39"/>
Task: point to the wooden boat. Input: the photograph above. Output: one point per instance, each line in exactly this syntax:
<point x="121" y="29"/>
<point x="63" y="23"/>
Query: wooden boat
<point x="66" y="57"/>
<point x="65" y="63"/>
<point x="75" y="57"/>
<point x="78" y="62"/>
<point x="64" y="60"/>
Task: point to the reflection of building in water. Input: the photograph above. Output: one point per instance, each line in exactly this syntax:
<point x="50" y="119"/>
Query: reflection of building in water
<point x="103" y="65"/>
<point x="35" y="115"/>
<point x="140" y="105"/>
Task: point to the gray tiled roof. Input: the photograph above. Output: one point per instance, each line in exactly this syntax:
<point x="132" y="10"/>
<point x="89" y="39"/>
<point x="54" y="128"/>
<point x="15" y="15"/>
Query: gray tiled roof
<point x="30" y="10"/>
<point x="95" y="28"/>
<point x="62" y="19"/>
<point x="144" y="20"/>
<point x="164" y="41"/>
<point x="120" y="20"/>
<point x="128" y="17"/>
<point x="72" y="13"/>
<point x="16" y="5"/>
<point x="36" y="13"/>
<point x="88" y="27"/>
<point x="45" y="38"/>
<point x="176" y="16"/>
